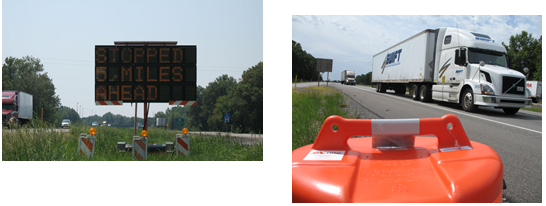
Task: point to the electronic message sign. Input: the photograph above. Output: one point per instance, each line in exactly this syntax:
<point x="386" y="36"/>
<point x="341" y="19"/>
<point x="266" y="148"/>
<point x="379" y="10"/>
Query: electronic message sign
<point x="324" y="65"/>
<point x="145" y="73"/>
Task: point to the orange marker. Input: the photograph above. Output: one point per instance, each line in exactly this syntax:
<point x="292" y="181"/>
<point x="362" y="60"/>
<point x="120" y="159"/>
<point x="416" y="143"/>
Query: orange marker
<point x="392" y="164"/>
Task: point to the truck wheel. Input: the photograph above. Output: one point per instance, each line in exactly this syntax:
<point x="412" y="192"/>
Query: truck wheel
<point x="510" y="110"/>
<point x="467" y="101"/>
<point x="415" y="92"/>
<point x="424" y="93"/>
<point x="382" y="88"/>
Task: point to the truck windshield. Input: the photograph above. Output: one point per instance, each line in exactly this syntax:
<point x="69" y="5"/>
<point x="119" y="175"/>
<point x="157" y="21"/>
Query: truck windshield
<point x="487" y="56"/>
<point x="350" y="76"/>
<point x="7" y="106"/>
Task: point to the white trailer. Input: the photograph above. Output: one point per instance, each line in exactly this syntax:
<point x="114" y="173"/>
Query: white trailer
<point x="536" y="90"/>
<point x="25" y="105"/>
<point x="160" y="122"/>
<point x="452" y="65"/>
<point x="348" y="77"/>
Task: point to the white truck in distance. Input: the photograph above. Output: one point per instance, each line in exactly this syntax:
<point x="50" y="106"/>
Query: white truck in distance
<point x="536" y="90"/>
<point x="452" y="65"/>
<point x="348" y="77"/>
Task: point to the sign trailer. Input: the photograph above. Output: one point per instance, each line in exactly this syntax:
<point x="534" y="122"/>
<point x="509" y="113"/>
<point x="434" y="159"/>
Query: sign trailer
<point x="145" y="72"/>
<point x="324" y="65"/>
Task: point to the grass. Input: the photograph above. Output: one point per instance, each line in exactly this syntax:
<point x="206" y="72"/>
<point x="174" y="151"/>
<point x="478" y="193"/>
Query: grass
<point x="534" y="108"/>
<point x="29" y="144"/>
<point x="310" y="107"/>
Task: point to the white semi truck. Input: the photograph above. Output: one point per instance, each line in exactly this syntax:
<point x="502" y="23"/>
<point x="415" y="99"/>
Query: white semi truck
<point x="16" y="108"/>
<point x="452" y="65"/>
<point x="348" y="77"/>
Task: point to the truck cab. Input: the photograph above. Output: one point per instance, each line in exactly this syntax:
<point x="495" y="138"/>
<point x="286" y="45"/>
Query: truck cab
<point x="348" y="77"/>
<point x="473" y="71"/>
<point x="9" y="112"/>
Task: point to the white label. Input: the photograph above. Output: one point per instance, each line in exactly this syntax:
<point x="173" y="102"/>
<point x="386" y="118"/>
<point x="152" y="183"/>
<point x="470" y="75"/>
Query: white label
<point x="335" y="155"/>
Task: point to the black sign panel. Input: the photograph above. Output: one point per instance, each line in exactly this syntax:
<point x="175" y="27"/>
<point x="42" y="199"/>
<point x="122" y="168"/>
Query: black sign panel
<point x="324" y="65"/>
<point x="145" y="73"/>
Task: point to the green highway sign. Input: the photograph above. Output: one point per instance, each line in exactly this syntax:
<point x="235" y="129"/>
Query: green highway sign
<point x="179" y="121"/>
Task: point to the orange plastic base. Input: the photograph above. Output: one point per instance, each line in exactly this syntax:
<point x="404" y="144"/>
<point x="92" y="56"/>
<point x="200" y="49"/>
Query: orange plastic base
<point x="421" y="173"/>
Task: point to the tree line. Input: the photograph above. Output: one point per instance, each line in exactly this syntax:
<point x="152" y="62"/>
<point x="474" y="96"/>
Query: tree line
<point x="525" y="51"/>
<point x="27" y="74"/>
<point x="304" y="65"/>
<point x="243" y="100"/>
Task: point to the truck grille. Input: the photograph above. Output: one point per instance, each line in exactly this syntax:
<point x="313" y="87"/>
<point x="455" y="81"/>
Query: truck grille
<point x="513" y="85"/>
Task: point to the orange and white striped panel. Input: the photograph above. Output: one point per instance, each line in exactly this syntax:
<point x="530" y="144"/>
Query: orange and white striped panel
<point x="185" y="103"/>
<point x="183" y="144"/>
<point x="108" y="102"/>
<point x="140" y="147"/>
<point x="86" y="144"/>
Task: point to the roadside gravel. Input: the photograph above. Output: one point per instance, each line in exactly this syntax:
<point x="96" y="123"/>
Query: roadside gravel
<point x="357" y="110"/>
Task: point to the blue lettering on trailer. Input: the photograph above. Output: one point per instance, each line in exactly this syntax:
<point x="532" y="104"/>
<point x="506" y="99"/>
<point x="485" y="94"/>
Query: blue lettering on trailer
<point x="391" y="59"/>
<point x="484" y="39"/>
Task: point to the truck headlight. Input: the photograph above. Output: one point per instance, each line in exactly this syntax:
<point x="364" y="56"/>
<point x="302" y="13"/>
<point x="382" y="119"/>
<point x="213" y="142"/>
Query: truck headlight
<point x="486" y="89"/>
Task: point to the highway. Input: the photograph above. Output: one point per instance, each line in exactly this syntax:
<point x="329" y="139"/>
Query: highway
<point x="46" y="130"/>
<point x="516" y="138"/>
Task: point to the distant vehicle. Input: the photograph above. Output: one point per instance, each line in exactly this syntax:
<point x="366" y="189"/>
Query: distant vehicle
<point x="65" y="123"/>
<point x="140" y="125"/>
<point x="452" y="65"/>
<point x="104" y="123"/>
<point x="94" y="124"/>
<point x="161" y="122"/>
<point x="109" y="125"/>
<point x="536" y="90"/>
<point x="348" y="77"/>
<point x="16" y="107"/>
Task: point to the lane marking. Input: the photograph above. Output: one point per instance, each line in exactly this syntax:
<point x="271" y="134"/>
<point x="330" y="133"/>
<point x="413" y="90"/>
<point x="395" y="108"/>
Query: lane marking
<point x="451" y="110"/>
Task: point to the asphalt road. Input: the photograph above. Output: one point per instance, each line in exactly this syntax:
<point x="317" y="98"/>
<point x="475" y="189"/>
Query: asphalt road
<point x="44" y="130"/>
<point x="516" y="138"/>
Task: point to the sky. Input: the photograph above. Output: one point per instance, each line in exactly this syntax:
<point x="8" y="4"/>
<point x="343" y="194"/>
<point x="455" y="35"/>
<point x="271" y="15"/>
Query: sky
<point x="63" y="35"/>
<point x="352" y="40"/>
